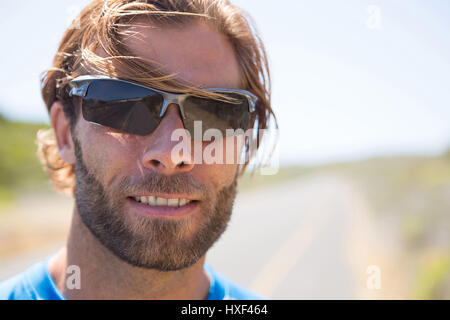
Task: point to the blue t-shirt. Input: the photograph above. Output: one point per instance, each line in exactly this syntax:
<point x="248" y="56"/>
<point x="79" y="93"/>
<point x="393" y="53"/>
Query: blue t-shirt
<point x="36" y="283"/>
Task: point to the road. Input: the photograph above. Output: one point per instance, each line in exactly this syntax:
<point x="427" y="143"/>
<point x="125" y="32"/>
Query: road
<point x="294" y="240"/>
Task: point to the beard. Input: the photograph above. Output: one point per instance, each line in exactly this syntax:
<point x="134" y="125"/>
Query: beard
<point x="152" y="243"/>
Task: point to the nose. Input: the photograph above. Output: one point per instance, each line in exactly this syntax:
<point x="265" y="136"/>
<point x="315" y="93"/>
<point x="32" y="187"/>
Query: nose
<point x="163" y="154"/>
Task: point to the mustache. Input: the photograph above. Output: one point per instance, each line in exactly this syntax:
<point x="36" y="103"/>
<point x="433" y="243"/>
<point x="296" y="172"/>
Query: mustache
<point x="154" y="182"/>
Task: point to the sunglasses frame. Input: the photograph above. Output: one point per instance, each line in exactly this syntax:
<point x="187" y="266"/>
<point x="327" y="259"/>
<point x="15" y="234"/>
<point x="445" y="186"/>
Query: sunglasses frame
<point x="80" y="86"/>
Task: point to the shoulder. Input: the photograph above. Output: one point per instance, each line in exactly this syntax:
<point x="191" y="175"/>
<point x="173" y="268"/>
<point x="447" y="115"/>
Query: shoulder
<point x="222" y="288"/>
<point x="31" y="284"/>
<point x="19" y="286"/>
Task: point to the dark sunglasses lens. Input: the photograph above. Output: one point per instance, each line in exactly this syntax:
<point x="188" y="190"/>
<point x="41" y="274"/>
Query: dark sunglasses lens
<point x="122" y="106"/>
<point x="216" y="114"/>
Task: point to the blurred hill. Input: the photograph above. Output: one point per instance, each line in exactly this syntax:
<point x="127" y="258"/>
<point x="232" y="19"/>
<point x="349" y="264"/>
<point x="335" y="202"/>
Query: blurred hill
<point x="19" y="166"/>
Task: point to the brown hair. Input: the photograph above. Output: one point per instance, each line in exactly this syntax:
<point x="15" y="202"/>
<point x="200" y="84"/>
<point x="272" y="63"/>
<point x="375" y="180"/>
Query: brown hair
<point x="103" y="24"/>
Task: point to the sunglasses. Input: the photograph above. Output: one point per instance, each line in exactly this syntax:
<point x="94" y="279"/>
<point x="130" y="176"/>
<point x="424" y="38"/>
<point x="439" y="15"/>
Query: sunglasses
<point x="137" y="109"/>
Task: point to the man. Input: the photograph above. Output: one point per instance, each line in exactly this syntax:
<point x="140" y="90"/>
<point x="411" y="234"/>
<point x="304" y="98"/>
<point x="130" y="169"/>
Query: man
<point x="124" y="81"/>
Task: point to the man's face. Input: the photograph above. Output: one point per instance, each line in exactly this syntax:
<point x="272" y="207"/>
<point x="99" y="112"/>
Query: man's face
<point x="113" y="167"/>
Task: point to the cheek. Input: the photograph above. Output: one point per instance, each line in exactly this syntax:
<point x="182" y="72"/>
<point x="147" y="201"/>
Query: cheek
<point x="233" y="147"/>
<point x="223" y="151"/>
<point x="109" y="154"/>
<point x="222" y="174"/>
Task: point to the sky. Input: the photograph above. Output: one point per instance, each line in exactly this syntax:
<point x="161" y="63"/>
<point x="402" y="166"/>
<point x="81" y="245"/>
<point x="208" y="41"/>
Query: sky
<point x="351" y="79"/>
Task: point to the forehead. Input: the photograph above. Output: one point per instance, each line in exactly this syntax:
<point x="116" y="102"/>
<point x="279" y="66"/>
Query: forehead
<point x="198" y="54"/>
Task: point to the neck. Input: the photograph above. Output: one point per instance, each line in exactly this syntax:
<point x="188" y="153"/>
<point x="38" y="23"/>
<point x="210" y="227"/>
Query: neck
<point x="105" y="276"/>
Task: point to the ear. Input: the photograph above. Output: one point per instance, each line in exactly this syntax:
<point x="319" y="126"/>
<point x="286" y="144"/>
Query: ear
<point x="61" y="126"/>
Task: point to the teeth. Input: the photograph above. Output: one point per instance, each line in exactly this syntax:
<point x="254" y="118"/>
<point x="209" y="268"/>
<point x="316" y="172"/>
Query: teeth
<point x="172" y="202"/>
<point x="161" y="201"/>
<point x="157" y="201"/>
<point x="152" y="201"/>
<point x="144" y="200"/>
